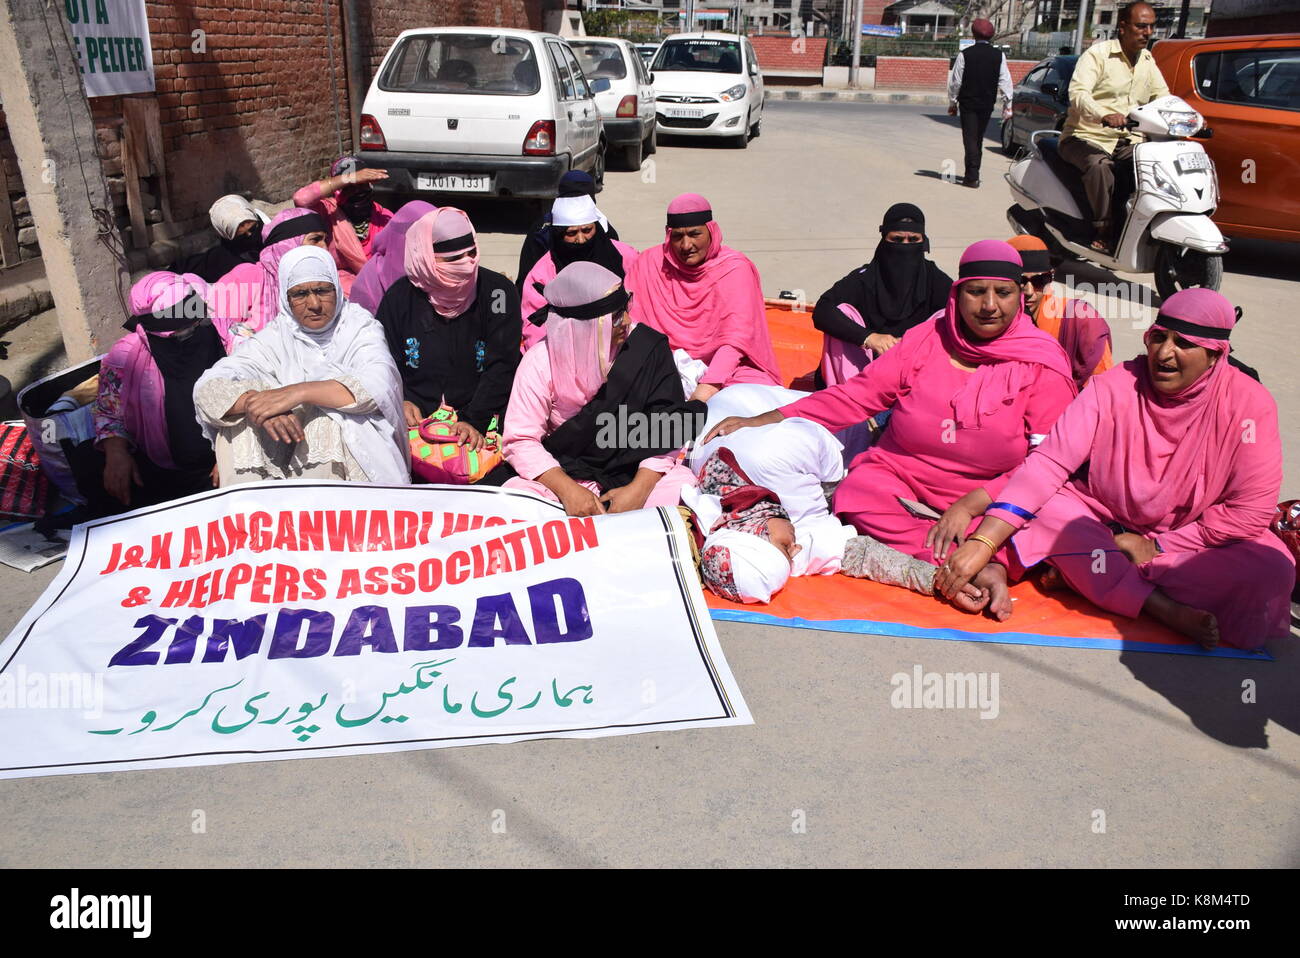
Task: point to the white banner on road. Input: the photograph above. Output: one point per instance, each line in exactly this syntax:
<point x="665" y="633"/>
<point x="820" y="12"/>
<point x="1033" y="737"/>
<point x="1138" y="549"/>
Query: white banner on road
<point x="302" y="619"/>
<point x="111" y="38"/>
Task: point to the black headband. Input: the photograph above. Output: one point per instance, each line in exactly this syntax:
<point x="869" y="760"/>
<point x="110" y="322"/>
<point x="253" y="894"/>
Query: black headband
<point x="298" y="226"/>
<point x="994" y="268"/>
<point x="1036" y="260"/>
<point x="1176" y="325"/>
<point x="697" y="218"/>
<point x="187" y="312"/>
<point x="615" y="302"/>
<point x="453" y="244"/>
<point x="905" y="224"/>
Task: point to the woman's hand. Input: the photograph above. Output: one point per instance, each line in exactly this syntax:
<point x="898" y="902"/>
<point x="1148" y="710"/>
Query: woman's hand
<point x="964" y="564"/>
<point x="949" y="530"/>
<point x="780" y="532"/>
<point x="627" y="498"/>
<point x="120" y="471"/>
<point x="732" y="423"/>
<point x="264" y="405"/>
<point x="880" y="342"/>
<point x="215" y="476"/>
<point x="413" y="415"/>
<point x="284" y="428"/>
<point x="467" y="435"/>
<point x="703" y="392"/>
<point x="1138" y="548"/>
<point x="578" y="500"/>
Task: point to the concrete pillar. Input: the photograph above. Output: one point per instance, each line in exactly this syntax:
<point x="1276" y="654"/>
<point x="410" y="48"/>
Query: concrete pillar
<point x="54" y="137"/>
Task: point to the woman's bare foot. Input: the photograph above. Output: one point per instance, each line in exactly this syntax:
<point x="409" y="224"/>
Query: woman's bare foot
<point x="1051" y="580"/>
<point x="1196" y="624"/>
<point x="993" y="580"/>
<point x="971" y="598"/>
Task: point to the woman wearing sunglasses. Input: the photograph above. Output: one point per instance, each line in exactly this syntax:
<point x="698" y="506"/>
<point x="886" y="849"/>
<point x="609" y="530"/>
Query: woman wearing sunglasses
<point x="1080" y="329"/>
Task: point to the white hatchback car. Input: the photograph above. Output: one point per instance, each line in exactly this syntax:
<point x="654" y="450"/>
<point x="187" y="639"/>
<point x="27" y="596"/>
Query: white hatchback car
<point x="708" y="84"/>
<point x="482" y="111"/>
<point x="627" y="108"/>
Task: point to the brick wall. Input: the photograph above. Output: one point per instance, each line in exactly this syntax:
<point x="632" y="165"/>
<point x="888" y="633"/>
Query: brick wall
<point x="16" y="197"/>
<point x="873" y="11"/>
<point x="911" y="73"/>
<point x="929" y="73"/>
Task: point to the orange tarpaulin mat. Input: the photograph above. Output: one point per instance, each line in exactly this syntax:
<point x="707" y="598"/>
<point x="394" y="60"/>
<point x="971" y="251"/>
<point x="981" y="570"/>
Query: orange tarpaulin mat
<point x="837" y="603"/>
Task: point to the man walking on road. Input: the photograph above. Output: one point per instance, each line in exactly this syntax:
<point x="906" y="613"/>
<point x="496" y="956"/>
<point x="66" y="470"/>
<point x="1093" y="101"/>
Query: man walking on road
<point x="979" y="75"/>
<point x="1110" y="79"/>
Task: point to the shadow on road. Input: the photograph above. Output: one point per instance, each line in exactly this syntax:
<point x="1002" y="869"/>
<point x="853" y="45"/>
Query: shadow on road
<point x="1264" y="258"/>
<point x="1231" y="700"/>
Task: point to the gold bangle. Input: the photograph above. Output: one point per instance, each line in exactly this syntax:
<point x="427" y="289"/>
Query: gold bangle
<point x="984" y="539"/>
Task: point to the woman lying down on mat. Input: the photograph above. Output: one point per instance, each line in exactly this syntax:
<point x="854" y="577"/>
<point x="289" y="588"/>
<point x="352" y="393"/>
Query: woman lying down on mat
<point x="1172" y="517"/>
<point x="760" y="513"/>
<point x="971" y="389"/>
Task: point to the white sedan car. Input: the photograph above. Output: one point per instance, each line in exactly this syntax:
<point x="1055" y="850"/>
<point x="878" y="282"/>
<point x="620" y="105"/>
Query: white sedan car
<point x="708" y="84"/>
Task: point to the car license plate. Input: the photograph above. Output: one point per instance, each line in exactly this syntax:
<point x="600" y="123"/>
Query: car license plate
<point x="685" y="112"/>
<point x="454" y="182"/>
<point x="1191" y="162"/>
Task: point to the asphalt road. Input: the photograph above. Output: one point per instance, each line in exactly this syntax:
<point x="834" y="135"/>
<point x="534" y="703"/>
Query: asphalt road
<point x="1159" y="750"/>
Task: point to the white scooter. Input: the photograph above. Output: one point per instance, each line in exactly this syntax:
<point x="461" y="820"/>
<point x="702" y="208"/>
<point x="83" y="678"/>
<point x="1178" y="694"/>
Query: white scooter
<point x="1167" y="228"/>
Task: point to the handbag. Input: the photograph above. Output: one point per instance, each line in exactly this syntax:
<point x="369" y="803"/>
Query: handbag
<point x="1286" y="525"/>
<point x="436" y="456"/>
<point x="24" y="488"/>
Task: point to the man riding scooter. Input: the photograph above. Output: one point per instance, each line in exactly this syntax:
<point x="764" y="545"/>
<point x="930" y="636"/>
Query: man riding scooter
<point x="1111" y="78"/>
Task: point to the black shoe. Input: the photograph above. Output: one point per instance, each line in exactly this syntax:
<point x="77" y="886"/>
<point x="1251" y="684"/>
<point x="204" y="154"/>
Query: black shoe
<point x="974" y="184"/>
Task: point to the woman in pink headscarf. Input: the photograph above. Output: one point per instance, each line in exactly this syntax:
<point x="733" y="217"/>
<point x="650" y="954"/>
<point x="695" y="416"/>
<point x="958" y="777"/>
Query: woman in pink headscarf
<point x="1171" y="518"/>
<point x="145" y="427"/>
<point x="345" y="201"/>
<point x="247" y="298"/>
<point x="706" y="298"/>
<point x="387" y="263"/>
<point x="972" y="389"/>
<point x="572" y="427"/>
<point x="453" y="326"/>
<point x="577" y="235"/>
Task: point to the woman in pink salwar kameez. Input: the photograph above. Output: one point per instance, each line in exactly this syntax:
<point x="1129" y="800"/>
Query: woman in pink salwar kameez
<point x="571" y="432"/>
<point x="972" y="389"/>
<point x="1184" y="469"/>
<point x="706" y="298"/>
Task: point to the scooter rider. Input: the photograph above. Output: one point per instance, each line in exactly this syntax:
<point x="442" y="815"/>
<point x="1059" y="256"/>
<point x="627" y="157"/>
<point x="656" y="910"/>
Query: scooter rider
<point x="1111" y="78"/>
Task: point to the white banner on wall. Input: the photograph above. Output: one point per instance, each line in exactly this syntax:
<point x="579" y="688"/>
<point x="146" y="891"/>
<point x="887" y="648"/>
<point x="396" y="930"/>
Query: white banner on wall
<point x="305" y="619"/>
<point x="111" y="38"/>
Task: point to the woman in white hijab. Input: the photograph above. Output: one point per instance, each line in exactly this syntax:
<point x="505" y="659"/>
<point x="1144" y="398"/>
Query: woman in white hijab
<point x="314" y="394"/>
<point x="239" y="225"/>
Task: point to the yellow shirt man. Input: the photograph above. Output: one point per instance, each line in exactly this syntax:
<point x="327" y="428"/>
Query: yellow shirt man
<point x="1106" y="82"/>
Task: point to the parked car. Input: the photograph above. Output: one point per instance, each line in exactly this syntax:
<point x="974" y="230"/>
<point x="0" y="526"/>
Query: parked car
<point x="627" y="108"/>
<point x="647" y="52"/>
<point x="708" y="84"/>
<point x="1248" y="91"/>
<point x="483" y="111"/>
<point x="1040" y="102"/>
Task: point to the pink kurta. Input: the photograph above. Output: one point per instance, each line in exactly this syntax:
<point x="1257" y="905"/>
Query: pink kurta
<point x="349" y="251"/>
<point x="533" y="414"/>
<point x="1218" y="553"/>
<point x="925" y="455"/>
<point x="543" y="272"/>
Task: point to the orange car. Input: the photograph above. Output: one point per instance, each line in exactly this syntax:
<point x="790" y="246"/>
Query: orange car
<point x="1248" y="90"/>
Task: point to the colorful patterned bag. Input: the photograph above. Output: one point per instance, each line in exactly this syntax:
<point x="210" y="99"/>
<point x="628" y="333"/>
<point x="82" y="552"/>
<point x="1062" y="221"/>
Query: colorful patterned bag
<point x="24" y="489"/>
<point x="437" y="457"/>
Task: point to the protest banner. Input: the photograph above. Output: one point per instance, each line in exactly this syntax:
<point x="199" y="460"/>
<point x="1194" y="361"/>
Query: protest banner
<point x="298" y="619"/>
<point x="111" y="38"/>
